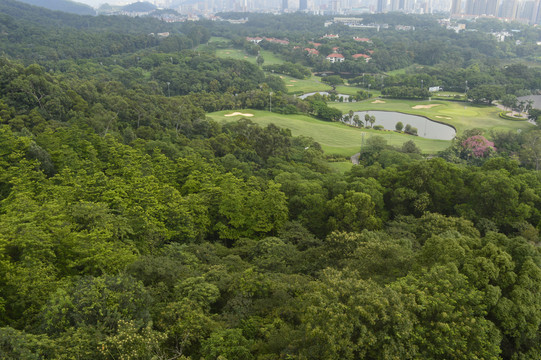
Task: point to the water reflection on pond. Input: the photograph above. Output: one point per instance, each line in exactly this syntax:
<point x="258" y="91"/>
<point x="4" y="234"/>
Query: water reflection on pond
<point x="338" y="96"/>
<point x="425" y="128"/>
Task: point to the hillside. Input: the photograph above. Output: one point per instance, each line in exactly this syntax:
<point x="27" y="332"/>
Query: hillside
<point x="63" y="5"/>
<point x="141" y="6"/>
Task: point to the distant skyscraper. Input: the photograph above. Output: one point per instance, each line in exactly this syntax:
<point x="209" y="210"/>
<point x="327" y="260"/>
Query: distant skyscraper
<point x="509" y="9"/>
<point x="303" y="5"/>
<point x="456" y="7"/>
<point x="492" y="7"/>
<point x="381" y="5"/>
<point x="535" y="19"/>
<point x="284" y="5"/>
<point x="479" y="7"/>
<point x="469" y="7"/>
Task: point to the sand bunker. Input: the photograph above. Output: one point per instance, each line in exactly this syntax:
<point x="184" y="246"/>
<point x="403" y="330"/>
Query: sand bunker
<point x="378" y="102"/>
<point x="293" y="81"/>
<point x="238" y="114"/>
<point x="444" y="117"/>
<point x="289" y="85"/>
<point x="425" y="106"/>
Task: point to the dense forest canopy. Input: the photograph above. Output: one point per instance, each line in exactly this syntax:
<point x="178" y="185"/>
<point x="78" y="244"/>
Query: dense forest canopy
<point x="132" y="226"/>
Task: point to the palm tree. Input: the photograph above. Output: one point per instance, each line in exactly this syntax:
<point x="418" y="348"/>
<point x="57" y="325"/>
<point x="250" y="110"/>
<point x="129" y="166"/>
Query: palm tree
<point x="372" y="120"/>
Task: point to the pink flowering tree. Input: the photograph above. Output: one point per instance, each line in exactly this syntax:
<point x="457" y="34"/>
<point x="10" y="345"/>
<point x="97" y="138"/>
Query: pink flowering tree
<point x="478" y="146"/>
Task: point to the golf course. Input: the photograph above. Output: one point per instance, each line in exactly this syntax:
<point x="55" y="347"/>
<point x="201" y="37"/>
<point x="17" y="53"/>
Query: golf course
<point x="334" y="137"/>
<point x="341" y="139"/>
<point x="338" y="138"/>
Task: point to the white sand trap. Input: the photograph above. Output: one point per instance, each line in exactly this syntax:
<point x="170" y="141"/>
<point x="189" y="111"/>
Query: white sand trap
<point x="239" y="114"/>
<point x="289" y="85"/>
<point x="378" y="102"/>
<point x="444" y="117"/>
<point x="425" y="106"/>
<point x="281" y="77"/>
<point x="292" y="80"/>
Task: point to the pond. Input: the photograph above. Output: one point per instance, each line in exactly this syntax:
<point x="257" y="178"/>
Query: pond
<point x="304" y="96"/>
<point x="425" y="128"/>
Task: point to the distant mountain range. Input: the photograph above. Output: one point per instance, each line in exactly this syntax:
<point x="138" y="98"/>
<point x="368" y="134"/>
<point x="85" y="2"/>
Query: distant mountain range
<point x="138" y="7"/>
<point x="141" y="6"/>
<point x="63" y="5"/>
<point x="73" y="7"/>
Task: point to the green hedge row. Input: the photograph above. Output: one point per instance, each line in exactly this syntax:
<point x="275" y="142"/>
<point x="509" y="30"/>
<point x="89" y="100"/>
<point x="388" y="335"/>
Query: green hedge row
<point x="503" y="115"/>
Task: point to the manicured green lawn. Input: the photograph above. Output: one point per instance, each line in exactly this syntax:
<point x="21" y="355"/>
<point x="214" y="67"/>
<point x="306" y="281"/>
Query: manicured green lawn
<point x="458" y="114"/>
<point x="299" y="87"/>
<point x="335" y="138"/>
<point x="348" y="90"/>
<point x="239" y="54"/>
<point x="217" y="39"/>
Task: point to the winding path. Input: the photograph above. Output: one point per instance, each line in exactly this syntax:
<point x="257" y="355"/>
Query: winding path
<point x="355" y="158"/>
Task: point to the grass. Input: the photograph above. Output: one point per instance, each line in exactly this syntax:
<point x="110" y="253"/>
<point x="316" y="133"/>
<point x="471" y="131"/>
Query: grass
<point x="218" y="39"/>
<point x="461" y="115"/>
<point x="299" y="87"/>
<point x="334" y="138"/>
<point x="239" y="54"/>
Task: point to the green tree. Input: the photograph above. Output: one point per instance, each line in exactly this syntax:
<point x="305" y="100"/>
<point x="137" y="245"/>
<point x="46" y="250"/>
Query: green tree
<point x="344" y="317"/>
<point x="450" y="316"/>
<point x="333" y="80"/>
<point x="260" y="60"/>
<point x="509" y="101"/>
<point x="353" y="211"/>
<point x="531" y="149"/>
<point x="486" y="93"/>
<point x="227" y="344"/>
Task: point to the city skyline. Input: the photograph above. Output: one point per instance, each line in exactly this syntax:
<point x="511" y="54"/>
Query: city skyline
<point x="524" y="10"/>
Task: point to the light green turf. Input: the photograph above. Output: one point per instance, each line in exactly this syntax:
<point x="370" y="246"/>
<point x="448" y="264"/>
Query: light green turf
<point x="299" y="87"/>
<point x="348" y="90"/>
<point x="341" y="166"/>
<point x="458" y="114"/>
<point x="217" y="39"/>
<point x="239" y="54"/>
<point x="335" y="138"/>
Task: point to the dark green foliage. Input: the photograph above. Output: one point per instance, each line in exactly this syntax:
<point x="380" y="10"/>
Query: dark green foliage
<point x="403" y="92"/>
<point x="294" y="70"/>
<point x="133" y="227"/>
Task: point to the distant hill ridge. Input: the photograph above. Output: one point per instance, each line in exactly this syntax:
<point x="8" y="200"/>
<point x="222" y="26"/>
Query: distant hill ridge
<point x="141" y="6"/>
<point x="63" y="5"/>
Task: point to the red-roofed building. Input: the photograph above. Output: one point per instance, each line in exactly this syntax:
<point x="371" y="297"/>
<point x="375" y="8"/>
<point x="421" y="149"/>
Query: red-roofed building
<point x="277" y="41"/>
<point x="335" y="58"/>
<point x="363" y="56"/>
<point x="316" y="45"/>
<point x="362" y="39"/>
<point x="335" y="49"/>
<point x="311" y="51"/>
<point x="255" y="40"/>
